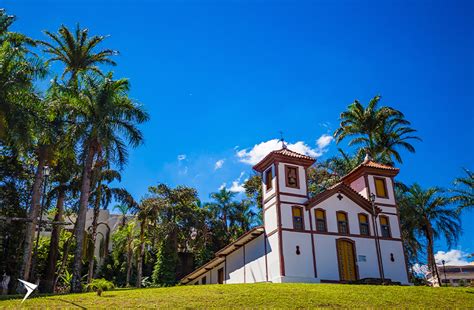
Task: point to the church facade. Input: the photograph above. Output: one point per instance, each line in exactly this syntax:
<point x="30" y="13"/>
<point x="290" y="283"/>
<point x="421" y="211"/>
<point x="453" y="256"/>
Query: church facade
<point x="349" y="232"/>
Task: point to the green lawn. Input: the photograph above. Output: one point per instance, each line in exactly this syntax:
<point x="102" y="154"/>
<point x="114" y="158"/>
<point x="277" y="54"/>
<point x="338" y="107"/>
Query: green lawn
<point x="262" y="295"/>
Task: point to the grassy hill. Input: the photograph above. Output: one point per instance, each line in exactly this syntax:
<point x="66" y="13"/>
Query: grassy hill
<point x="261" y="295"/>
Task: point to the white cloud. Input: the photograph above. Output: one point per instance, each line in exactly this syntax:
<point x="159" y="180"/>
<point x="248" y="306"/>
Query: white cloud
<point x="237" y="186"/>
<point x="181" y="157"/>
<point x="324" y="141"/>
<point x="218" y="164"/>
<point x="259" y="151"/>
<point x="452" y="257"/>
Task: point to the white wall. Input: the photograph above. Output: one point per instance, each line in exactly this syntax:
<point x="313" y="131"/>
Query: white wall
<point x="300" y="266"/>
<point x="255" y="259"/>
<point x="332" y="205"/>
<point x="235" y="267"/>
<point x="359" y="186"/>
<point x="396" y="270"/>
<point x="270" y="219"/>
<point x="390" y="192"/>
<point x="326" y="257"/>
<point x="273" y="257"/>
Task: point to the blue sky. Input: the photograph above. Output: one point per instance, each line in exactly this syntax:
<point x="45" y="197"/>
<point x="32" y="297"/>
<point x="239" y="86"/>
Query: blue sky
<point x="219" y="77"/>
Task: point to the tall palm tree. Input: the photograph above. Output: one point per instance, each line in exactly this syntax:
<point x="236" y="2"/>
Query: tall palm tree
<point x="106" y="119"/>
<point x="377" y="130"/>
<point x="77" y="52"/>
<point x="223" y="204"/>
<point x="464" y="191"/>
<point x="426" y="214"/>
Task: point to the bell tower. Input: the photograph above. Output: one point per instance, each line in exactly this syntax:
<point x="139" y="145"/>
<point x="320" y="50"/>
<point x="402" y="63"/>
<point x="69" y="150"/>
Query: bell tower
<point x="284" y="189"/>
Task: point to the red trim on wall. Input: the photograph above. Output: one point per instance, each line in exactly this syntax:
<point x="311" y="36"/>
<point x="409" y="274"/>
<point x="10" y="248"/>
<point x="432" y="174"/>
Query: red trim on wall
<point x="312" y="245"/>
<point x="279" y="227"/>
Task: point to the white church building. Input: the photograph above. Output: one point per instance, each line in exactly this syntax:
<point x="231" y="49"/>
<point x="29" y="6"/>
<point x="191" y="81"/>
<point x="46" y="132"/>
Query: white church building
<point x="349" y="232"/>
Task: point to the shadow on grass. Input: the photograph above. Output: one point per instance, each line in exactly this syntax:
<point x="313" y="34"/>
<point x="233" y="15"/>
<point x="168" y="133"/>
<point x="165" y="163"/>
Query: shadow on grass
<point x="71" y="303"/>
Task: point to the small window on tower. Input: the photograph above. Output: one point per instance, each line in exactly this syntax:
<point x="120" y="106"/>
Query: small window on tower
<point x="380" y="188"/>
<point x="292" y="177"/>
<point x="385" y="227"/>
<point x="297" y="218"/>
<point x="320" y="220"/>
<point x="268" y="179"/>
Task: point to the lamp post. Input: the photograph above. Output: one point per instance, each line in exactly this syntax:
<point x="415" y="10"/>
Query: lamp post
<point x="46" y="171"/>
<point x="377" y="240"/>
<point x="444" y="271"/>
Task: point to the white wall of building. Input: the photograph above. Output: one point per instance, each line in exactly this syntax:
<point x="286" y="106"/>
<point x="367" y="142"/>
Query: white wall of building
<point x="390" y="192"/>
<point x="396" y="270"/>
<point x="298" y="267"/>
<point x="359" y="186"/>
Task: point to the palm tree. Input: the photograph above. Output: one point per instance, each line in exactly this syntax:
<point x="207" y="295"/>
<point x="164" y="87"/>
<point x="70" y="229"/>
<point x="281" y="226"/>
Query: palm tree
<point x="76" y="52"/>
<point x="105" y="117"/>
<point x="223" y="205"/>
<point x="102" y="196"/>
<point x="464" y="191"/>
<point x="377" y="130"/>
<point x="124" y="239"/>
<point x="425" y="213"/>
<point x="242" y="217"/>
<point x="123" y="208"/>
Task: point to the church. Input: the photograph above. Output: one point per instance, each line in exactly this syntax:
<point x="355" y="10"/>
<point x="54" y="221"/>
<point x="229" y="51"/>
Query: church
<point x="349" y="232"/>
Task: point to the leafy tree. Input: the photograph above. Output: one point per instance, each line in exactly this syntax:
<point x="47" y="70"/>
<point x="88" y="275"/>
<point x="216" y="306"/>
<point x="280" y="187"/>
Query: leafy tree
<point x="253" y="190"/>
<point x="167" y="259"/>
<point x="222" y="205"/>
<point x="425" y="213"/>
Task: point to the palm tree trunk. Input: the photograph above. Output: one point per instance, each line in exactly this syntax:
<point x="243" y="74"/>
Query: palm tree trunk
<point x="431" y="258"/>
<point x="129" y="262"/>
<point x="94" y="231"/>
<point x="48" y="286"/>
<point x="33" y="216"/>
<point x="141" y="254"/>
<point x="79" y="231"/>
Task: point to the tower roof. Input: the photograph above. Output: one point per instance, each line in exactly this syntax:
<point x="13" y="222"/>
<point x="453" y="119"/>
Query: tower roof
<point x="370" y="167"/>
<point x="286" y="155"/>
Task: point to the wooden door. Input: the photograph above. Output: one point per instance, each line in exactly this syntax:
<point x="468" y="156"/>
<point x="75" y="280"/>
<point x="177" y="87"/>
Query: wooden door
<point x="220" y="276"/>
<point x="346" y="260"/>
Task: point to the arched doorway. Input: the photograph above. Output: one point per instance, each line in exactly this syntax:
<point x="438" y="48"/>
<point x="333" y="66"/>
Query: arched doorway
<point x="346" y="260"/>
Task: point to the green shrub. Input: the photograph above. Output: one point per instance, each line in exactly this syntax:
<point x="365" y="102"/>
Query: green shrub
<point x="99" y="286"/>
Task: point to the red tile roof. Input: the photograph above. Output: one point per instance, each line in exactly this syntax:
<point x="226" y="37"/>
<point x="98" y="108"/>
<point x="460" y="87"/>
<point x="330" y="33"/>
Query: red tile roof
<point x="284" y="154"/>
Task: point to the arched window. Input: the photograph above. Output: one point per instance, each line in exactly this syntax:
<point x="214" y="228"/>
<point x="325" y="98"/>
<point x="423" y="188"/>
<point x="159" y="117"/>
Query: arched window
<point x="385" y="227"/>
<point x="297" y="218"/>
<point x="342" y="222"/>
<point x="320" y="216"/>
<point x="364" y="224"/>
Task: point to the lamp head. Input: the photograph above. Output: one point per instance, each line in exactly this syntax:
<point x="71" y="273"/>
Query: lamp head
<point x="46" y="171"/>
<point x="372" y="197"/>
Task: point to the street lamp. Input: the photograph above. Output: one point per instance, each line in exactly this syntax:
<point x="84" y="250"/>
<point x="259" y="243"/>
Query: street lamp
<point x="46" y="172"/>
<point x="377" y="241"/>
<point x="444" y="270"/>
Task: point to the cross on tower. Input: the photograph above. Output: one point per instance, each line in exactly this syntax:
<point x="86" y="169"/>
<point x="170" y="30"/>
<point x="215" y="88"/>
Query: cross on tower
<point x="282" y="140"/>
